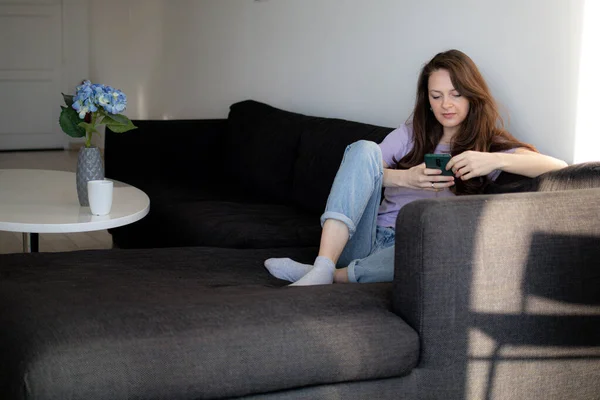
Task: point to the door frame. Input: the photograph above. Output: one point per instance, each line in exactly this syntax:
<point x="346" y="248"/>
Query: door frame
<point x="69" y="64"/>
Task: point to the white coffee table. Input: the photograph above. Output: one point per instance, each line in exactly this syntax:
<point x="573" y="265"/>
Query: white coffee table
<point x="34" y="201"/>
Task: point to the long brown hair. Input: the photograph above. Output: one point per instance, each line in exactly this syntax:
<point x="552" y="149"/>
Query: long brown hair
<point x="482" y="129"/>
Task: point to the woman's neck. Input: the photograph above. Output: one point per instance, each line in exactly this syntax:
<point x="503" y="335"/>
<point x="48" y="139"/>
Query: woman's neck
<point x="446" y="139"/>
<point x="448" y="135"/>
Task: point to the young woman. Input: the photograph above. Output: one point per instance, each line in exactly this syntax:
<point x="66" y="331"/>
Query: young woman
<point x="454" y="113"/>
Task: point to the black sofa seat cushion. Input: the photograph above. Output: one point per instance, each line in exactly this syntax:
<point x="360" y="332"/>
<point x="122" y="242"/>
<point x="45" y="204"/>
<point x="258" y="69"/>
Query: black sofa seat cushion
<point x="186" y="323"/>
<point x="239" y="225"/>
<point x="221" y="224"/>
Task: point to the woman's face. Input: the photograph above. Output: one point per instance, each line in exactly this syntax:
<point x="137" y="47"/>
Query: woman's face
<point x="449" y="106"/>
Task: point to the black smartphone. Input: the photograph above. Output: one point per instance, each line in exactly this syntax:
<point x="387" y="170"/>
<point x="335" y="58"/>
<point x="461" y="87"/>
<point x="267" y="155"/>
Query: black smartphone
<point x="438" y="161"/>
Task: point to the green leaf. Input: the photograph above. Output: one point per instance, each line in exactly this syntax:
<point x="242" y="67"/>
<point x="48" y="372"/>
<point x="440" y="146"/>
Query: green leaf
<point x="118" y="118"/>
<point x="69" y="122"/>
<point x="68" y="99"/>
<point x="118" y="123"/>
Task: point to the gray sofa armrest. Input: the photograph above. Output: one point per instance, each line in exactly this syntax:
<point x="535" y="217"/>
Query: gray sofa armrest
<point x="504" y="291"/>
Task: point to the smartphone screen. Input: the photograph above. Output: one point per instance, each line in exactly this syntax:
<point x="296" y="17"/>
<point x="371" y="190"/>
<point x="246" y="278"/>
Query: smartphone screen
<point x="438" y="161"/>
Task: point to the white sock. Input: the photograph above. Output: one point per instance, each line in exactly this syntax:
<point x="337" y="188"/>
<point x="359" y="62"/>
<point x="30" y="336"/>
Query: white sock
<point x="321" y="274"/>
<point x="287" y="269"/>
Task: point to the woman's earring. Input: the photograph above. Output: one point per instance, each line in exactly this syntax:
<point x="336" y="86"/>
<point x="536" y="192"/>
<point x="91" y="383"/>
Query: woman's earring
<point x="430" y="109"/>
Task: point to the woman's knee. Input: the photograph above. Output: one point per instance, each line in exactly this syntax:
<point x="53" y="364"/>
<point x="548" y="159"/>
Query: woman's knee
<point x="363" y="146"/>
<point x="364" y="149"/>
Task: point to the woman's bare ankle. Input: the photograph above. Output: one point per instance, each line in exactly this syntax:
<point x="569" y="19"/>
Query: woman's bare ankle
<point x="341" y="276"/>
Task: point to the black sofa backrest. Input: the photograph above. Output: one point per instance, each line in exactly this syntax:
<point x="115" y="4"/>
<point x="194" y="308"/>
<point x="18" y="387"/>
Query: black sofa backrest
<point x="260" y="146"/>
<point x="320" y="153"/>
<point x="288" y="156"/>
<point x="260" y="153"/>
<point x="167" y="151"/>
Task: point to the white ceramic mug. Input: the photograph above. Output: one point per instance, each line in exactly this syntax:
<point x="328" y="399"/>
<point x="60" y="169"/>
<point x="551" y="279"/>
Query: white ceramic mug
<point x="100" y="195"/>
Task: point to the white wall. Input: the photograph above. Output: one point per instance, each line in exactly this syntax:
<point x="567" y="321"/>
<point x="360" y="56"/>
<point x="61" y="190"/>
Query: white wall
<point x="351" y="59"/>
<point x="75" y="54"/>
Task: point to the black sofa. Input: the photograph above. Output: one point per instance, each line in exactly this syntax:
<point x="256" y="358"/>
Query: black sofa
<point x="494" y="297"/>
<point x="258" y="179"/>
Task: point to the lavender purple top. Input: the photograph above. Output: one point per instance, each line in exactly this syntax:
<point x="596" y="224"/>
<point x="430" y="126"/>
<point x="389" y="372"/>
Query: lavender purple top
<point x="396" y="145"/>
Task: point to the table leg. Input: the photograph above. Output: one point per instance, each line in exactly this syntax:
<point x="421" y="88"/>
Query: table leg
<point x="31" y="242"/>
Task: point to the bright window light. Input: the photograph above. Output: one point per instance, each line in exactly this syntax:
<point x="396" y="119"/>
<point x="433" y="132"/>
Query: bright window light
<point x="587" y="133"/>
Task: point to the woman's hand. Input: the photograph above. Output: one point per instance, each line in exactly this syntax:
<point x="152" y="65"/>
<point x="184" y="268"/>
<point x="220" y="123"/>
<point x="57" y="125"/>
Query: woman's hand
<point x="472" y="164"/>
<point x="419" y="177"/>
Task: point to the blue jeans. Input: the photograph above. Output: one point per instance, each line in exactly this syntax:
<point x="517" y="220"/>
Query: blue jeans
<point x="354" y="200"/>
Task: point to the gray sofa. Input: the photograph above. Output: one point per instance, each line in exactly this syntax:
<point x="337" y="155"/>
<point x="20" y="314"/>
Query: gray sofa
<point x="494" y="297"/>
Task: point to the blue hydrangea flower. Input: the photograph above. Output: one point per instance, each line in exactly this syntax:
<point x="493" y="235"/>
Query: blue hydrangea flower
<point x="112" y="100"/>
<point x="88" y="97"/>
<point x="84" y="100"/>
<point x="102" y="97"/>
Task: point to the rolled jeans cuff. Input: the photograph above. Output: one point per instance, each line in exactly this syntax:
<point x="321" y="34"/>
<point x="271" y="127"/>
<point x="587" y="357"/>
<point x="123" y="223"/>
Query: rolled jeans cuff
<point x="351" y="272"/>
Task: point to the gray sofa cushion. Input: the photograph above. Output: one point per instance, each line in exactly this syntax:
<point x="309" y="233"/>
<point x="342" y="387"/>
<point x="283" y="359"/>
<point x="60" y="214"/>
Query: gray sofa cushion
<point x="186" y="323"/>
